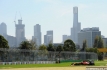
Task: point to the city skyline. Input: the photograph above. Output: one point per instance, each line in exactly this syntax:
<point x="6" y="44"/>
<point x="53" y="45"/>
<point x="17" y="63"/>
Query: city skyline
<point x="53" y="15"/>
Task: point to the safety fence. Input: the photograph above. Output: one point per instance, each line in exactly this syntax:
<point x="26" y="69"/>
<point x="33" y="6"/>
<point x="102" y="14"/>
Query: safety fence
<point x="14" y="55"/>
<point x="27" y="62"/>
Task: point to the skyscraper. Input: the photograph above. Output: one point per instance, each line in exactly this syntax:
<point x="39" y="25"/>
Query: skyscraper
<point x="48" y="38"/>
<point x="105" y="42"/>
<point x="37" y="34"/>
<point x="3" y="29"/>
<point x="20" y="32"/>
<point x="89" y="35"/>
<point x="45" y="39"/>
<point x="11" y="41"/>
<point x="76" y="25"/>
<point x="65" y="37"/>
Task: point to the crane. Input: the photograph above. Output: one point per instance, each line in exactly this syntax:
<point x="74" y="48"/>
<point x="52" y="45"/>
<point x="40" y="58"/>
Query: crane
<point x="15" y="18"/>
<point x="20" y="15"/>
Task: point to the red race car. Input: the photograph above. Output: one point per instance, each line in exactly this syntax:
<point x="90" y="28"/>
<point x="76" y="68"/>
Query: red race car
<point x="85" y="62"/>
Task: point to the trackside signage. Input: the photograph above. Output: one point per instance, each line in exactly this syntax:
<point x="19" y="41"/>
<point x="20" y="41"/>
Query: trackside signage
<point x="96" y="68"/>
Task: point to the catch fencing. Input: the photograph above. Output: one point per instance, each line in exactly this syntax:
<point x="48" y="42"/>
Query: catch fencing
<point x="18" y="55"/>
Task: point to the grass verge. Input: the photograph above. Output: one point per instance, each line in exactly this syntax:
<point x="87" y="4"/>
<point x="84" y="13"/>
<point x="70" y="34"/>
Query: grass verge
<point x="67" y="64"/>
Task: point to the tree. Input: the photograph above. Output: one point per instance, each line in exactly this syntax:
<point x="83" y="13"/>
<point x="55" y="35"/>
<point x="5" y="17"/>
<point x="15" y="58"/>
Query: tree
<point x="98" y="42"/>
<point x="33" y="44"/>
<point x="69" y="46"/>
<point x="3" y="42"/>
<point x="25" y="48"/>
<point x="25" y="45"/>
<point x="59" y="48"/>
<point x="42" y="47"/>
<point x="50" y="47"/>
<point x="100" y="54"/>
<point x="84" y="45"/>
<point x="92" y="50"/>
<point x="43" y="50"/>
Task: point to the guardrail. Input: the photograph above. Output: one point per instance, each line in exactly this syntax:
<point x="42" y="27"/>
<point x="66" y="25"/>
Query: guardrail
<point x="27" y="62"/>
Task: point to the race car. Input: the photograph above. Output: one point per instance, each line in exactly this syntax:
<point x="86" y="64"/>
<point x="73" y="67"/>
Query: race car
<point x="85" y="62"/>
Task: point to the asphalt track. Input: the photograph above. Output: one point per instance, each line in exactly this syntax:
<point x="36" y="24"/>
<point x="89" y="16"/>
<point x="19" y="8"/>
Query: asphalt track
<point x="48" y="68"/>
<point x="53" y="68"/>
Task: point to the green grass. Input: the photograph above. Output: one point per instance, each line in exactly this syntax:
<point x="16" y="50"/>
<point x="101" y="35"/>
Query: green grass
<point x="36" y="65"/>
<point x="67" y="64"/>
<point x="100" y="63"/>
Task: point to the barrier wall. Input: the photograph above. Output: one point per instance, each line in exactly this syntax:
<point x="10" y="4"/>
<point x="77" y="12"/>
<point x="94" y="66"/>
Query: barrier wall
<point x="70" y="61"/>
<point x="27" y="62"/>
<point x="14" y="55"/>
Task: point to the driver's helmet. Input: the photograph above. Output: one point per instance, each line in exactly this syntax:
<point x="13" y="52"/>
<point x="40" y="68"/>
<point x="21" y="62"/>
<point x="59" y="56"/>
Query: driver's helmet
<point x="90" y="60"/>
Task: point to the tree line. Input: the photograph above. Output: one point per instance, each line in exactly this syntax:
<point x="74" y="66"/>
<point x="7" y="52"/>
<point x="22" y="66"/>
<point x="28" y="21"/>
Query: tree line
<point x="69" y="45"/>
<point x="31" y="45"/>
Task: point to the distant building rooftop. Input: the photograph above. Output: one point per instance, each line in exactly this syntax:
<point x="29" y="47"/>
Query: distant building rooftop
<point x="90" y="29"/>
<point x="57" y="44"/>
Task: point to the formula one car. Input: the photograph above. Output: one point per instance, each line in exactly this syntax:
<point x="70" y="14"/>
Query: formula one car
<point x="85" y="62"/>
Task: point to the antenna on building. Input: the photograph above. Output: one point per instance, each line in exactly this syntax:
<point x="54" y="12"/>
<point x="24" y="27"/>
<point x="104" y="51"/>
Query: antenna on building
<point x="20" y="15"/>
<point x="15" y="18"/>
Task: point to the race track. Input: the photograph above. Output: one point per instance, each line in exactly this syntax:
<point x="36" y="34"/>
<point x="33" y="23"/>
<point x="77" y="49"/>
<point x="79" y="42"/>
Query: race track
<point x="48" y="68"/>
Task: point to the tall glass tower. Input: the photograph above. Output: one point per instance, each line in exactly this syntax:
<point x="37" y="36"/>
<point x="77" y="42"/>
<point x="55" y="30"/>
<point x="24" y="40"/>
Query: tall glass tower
<point x="76" y="25"/>
<point x="37" y="34"/>
<point x="3" y="29"/>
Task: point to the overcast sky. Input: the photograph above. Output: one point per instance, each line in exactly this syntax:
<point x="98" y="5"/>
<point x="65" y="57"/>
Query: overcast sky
<point x="56" y="15"/>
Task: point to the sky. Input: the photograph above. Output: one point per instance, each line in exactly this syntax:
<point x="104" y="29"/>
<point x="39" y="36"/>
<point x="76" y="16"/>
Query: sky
<point x="56" y="15"/>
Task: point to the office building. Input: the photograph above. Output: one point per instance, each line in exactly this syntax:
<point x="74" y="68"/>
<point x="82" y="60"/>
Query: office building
<point x="20" y="32"/>
<point x="102" y="36"/>
<point x="37" y="34"/>
<point x="65" y="37"/>
<point x="11" y="41"/>
<point x="89" y="35"/>
<point x="48" y="38"/>
<point x="58" y="44"/>
<point x="76" y="26"/>
<point x="3" y="29"/>
<point x="45" y="39"/>
<point x="105" y="42"/>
